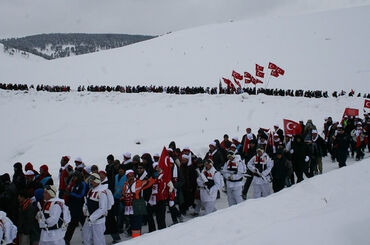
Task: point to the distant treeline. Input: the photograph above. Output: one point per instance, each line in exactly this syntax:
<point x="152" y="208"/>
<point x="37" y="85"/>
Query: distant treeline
<point x="58" y="45"/>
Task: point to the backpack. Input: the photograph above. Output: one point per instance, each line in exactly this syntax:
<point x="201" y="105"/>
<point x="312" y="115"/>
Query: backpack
<point x="110" y="198"/>
<point x="9" y="231"/>
<point x="66" y="215"/>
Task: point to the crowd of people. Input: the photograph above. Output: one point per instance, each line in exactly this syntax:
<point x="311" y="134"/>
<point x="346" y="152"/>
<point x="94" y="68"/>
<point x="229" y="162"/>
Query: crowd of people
<point x="137" y="190"/>
<point x="185" y="90"/>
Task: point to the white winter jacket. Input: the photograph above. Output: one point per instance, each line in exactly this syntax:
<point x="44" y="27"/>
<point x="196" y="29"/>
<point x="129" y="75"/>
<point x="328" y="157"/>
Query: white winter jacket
<point x="266" y="160"/>
<point x="209" y="195"/>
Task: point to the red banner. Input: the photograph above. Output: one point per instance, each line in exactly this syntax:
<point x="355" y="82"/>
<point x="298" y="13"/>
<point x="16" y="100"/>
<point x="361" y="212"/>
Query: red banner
<point x="292" y="127"/>
<point x="350" y="112"/>
<point x="367" y="103"/>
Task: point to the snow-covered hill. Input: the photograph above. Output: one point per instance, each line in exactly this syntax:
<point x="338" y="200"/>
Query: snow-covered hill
<point x="40" y="127"/>
<point x="327" y="209"/>
<point x="326" y="50"/>
<point x="15" y="57"/>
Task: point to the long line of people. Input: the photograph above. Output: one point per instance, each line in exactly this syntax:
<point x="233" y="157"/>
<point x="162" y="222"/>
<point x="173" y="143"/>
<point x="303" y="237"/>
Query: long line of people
<point x="130" y="193"/>
<point x="184" y="90"/>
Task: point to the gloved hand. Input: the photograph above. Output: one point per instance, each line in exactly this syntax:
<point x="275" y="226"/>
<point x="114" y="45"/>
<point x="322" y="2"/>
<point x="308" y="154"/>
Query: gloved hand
<point x="291" y="151"/>
<point x="307" y="159"/>
<point x="85" y="210"/>
<point x="171" y="203"/>
<point x="170" y="186"/>
<point x="39" y="215"/>
<point x="42" y="224"/>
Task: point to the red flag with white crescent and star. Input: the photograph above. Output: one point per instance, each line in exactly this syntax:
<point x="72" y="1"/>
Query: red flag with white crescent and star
<point x="350" y="112"/>
<point x="272" y="66"/>
<point x="292" y="127"/>
<point x="259" y="68"/>
<point x="367" y="103"/>
<point x="237" y="75"/>
<point x="165" y="164"/>
<point x="280" y="71"/>
<point x="260" y="74"/>
<point x="274" y="73"/>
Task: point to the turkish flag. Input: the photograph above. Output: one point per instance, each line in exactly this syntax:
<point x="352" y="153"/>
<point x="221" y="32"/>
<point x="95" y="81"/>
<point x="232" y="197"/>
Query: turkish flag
<point x="292" y="127"/>
<point x="248" y="80"/>
<point x="260" y="74"/>
<point x="247" y="75"/>
<point x="253" y="80"/>
<point x="236" y="75"/>
<point x="280" y="71"/>
<point x="258" y="81"/>
<point x="166" y="165"/>
<point x="367" y="103"/>
<point x="246" y="145"/>
<point x="228" y="83"/>
<point x="237" y="83"/>
<point x="274" y="73"/>
<point x="272" y="66"/>
<point x="259" y="68"/>
<point x="350" y="112"/>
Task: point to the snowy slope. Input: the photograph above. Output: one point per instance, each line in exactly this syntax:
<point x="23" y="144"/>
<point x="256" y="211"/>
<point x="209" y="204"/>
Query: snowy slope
<point x="319" y="51"/>
<point x="17" y="58"/>
<point x="41" y="127"/>
<point x="327" y="209"/>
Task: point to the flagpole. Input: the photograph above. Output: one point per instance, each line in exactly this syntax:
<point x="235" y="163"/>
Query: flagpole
<point x="268" y="80"/>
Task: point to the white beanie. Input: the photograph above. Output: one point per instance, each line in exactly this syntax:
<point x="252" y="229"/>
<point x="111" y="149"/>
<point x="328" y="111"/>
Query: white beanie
<point x="314" y="131"/>
<point x="213" y="144"/>
<point x="52" y="190"/>
<point x="155" y="164"/>
<point x="127" y="155"/>
<point x="129" y="171"/>
<point x="78" y="159"/>
<point x="29" y="173"/>
<point x="95" y="178"/>
<point x="235" y="138"/>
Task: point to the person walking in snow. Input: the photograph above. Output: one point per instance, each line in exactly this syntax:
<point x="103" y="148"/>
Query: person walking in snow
<point x="233" y="172"/>
<point x="95" y="209"/>
<point x="209" y="182"/>
<point x="65" y="172"/>
<point x="261" y="166"/>
<point x="75" y="204"/>
<point x="51" y="218"/>
<point x="340" y="146"/>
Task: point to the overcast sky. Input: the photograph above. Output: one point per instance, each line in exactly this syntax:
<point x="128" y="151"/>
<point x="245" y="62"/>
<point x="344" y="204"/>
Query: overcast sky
<point x="26" y="17"/>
